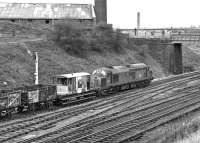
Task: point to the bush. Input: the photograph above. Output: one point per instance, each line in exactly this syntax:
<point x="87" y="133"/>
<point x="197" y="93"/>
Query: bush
<point x="70" y="37"/>
<point x="105" y="38"/>
<point x="77" y="39"/>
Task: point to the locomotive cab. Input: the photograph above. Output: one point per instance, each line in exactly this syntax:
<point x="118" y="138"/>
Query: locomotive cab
<point x="72" y="83"/>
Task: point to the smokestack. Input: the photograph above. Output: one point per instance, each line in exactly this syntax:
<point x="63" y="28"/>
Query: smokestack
<point x="101" y="11"/>
<point x="138" y="20"/>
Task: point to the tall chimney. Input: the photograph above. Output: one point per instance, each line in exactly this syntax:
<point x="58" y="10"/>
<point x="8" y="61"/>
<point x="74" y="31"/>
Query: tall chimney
<point x="101" y="11"/>
<point x="138" y="20"/>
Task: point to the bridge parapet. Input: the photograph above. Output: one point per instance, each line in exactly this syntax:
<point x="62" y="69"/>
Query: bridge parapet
<point x="186" y="38"/>
<point x="175" y="35"/>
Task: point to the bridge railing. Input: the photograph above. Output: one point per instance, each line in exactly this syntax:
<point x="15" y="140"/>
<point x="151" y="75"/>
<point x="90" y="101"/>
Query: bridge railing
<point x="170" y="34"/>
<point x="185" y="37"/>
<point x="172" y="37"/>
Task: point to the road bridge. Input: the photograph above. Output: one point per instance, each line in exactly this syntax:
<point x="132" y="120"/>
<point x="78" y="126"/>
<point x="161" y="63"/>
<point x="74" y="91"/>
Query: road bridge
<point x="185" y="38"/>
<point x="174" y="35"/>
<point x="166" y="43"/>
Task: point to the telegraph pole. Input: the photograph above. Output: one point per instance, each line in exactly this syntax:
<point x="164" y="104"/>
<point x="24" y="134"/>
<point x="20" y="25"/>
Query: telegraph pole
<point x="36" y="69"/>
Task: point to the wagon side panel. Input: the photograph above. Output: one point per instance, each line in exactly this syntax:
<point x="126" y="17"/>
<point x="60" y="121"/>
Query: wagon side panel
<point x="14" y="99"/>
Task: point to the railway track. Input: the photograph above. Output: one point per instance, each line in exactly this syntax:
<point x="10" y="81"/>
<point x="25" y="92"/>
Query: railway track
<point x="128" y="126"/>
<point x="120" y="104"/>
<point x="94" y="126"/>
<point x="108" y="98"/>
<point x="125" y="131"/>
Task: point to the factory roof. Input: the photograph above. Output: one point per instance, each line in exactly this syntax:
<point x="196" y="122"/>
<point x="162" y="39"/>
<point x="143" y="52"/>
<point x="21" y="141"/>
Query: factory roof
<point x="45" y="11"/>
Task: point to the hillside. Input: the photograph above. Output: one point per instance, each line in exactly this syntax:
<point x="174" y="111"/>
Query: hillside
<point x="17" y="66"/>
<point x="191" y="54"/>
<point x="94" y="48"/>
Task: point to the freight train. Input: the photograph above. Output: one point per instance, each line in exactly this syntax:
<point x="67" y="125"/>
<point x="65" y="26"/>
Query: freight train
<point x="75" y="87"/>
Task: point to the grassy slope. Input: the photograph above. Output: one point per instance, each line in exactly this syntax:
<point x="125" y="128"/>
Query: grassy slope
<point x="191" y="54"/>
<point x="17" y="66"/>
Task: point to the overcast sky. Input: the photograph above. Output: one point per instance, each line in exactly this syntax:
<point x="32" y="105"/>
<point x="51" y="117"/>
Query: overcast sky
<point x="154" y="13"/>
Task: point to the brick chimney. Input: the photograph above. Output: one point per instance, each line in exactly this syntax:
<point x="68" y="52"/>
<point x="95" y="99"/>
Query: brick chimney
<point x="101" y="11"/>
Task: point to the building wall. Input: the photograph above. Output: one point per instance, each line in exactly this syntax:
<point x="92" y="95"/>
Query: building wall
<point x="49" y="21"/>
<point x="12" y="30"/>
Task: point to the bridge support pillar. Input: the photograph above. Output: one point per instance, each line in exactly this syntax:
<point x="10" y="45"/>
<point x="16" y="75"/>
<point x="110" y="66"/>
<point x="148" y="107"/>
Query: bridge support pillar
<point x="176" y="65"/>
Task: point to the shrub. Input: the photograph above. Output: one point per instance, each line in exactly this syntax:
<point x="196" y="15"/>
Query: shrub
<point x="105" y="38"/>
<point x="70" y="37"/>
<point x="77" y="39"/>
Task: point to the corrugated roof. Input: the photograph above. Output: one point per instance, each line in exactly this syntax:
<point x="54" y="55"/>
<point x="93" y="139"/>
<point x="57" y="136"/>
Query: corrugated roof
<point x="70" y="75"/>
<point x="45" y="11"/>
<point x="136" y="66"/>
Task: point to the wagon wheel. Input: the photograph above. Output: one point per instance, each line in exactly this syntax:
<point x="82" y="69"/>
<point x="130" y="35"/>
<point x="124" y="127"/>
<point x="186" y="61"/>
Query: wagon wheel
<point x="9" y="115"/>
<point x="20" y="109"/>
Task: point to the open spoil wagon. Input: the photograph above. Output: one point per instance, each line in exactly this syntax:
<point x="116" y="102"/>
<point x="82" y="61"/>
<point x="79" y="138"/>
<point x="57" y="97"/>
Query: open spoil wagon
<point x="28" y="97"/>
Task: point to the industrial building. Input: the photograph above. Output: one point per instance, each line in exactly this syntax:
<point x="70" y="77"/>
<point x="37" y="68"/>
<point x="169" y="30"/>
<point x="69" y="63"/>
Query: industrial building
<point x="46" y="13"/>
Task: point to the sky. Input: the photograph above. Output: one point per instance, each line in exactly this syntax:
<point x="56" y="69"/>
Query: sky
<point x="153" y="13"/>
